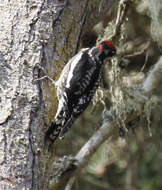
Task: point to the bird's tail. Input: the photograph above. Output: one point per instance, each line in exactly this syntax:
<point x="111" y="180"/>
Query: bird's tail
<point x="66" y="127"/>
<point x="52" y="132"/>
<point x="57" y="130"/>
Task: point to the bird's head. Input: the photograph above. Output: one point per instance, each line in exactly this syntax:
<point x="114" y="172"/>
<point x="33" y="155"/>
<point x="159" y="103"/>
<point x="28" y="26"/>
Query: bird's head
<point x="106" y="49"/>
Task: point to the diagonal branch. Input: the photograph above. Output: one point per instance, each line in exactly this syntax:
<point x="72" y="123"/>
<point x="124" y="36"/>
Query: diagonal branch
<point x="106" y="131"/>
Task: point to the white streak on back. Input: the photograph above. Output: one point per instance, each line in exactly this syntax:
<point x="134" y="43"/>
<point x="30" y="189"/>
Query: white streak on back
<point x="60" y="106"/>
<point x="73" y="65"/>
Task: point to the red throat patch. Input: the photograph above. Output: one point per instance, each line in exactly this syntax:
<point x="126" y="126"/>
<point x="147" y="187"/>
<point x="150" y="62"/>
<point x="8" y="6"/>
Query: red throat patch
<point x="100" y="47"/>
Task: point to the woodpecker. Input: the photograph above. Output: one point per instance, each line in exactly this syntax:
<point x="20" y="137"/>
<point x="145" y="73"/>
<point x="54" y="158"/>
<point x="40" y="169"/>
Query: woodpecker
<point x="76" y="86"/>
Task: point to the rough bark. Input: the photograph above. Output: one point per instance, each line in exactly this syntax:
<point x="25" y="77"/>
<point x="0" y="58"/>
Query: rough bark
<point x="33" y="33"/>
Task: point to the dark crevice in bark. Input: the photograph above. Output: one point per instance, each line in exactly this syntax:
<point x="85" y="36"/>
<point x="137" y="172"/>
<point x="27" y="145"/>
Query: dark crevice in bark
<point x="36" y="18"/>
<point x="83" y="21"/>
<point x="12" y="33"/>
<point x="55" y="23"/>
<point x="34" y="111"/>
<point x="33" y="153"/>
<point x="34" y="114"/>
<point x="67" y="36"/>
<point x="31" y="144"/>
<point x="58" y="18"/>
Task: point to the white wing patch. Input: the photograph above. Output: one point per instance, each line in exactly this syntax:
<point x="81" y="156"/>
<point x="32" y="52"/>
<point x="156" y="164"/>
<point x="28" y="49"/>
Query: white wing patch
<point x="75" y="60"/>
<point x="60" y="106"/>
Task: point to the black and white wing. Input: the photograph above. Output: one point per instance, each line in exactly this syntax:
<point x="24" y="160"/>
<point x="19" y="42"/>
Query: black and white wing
<point x="75" y="89"/>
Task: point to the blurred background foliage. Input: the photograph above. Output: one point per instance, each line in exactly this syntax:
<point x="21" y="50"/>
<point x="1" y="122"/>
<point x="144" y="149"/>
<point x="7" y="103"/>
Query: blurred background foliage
<point x="133" y="161"/>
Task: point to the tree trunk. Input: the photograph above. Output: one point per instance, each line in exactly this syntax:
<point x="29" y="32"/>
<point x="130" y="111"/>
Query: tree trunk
<point x="33" y="33"/>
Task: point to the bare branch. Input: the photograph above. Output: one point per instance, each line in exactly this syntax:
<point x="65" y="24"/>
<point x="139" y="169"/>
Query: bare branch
<point x="140" y="50"/>
<point x="106" y="131"/>
<point x="121" y="16"/>
<point x="153" y="79"/>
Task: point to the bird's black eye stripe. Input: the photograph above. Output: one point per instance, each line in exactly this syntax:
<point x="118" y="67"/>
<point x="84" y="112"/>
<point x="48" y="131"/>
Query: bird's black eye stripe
<point x="104" y="45"/>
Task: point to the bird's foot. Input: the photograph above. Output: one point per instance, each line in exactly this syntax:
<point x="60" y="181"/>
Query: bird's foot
<point x="46" y="76"/>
